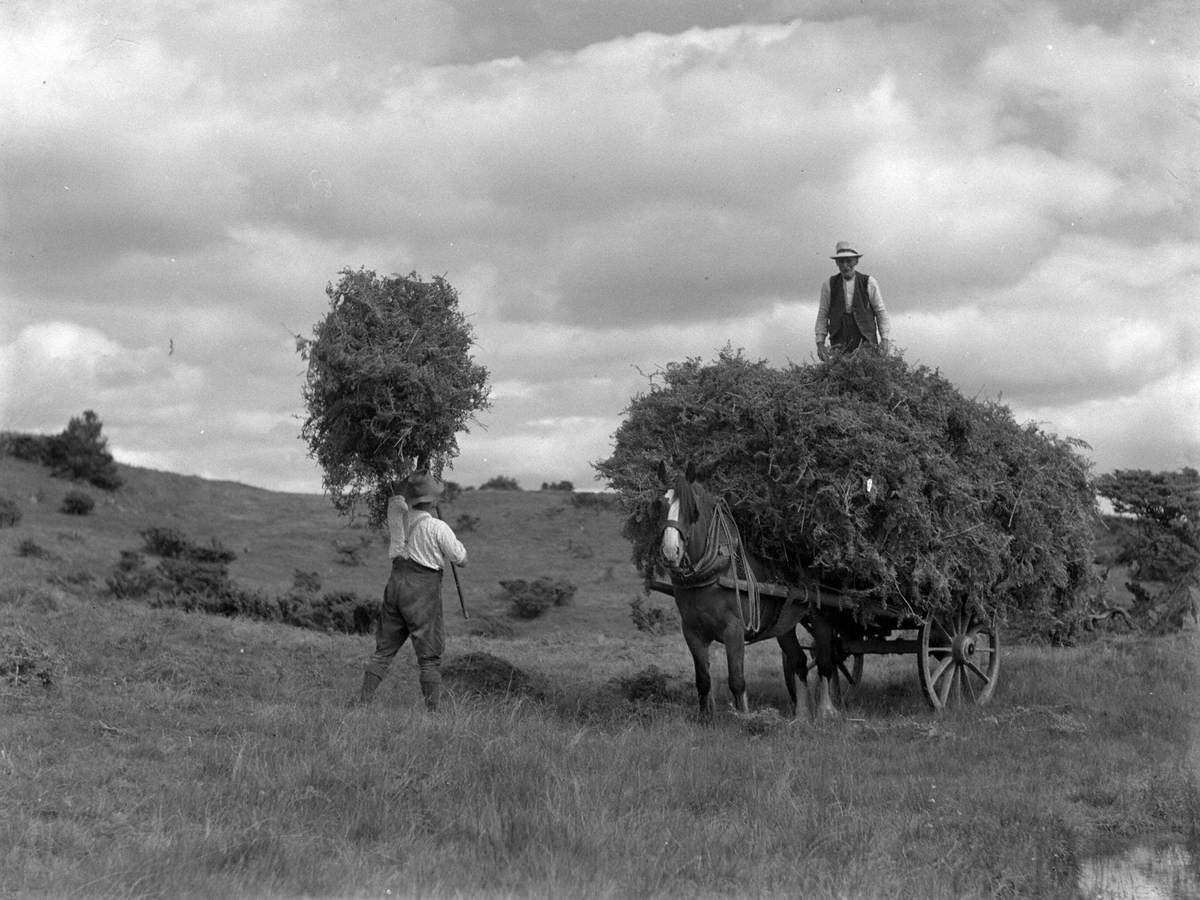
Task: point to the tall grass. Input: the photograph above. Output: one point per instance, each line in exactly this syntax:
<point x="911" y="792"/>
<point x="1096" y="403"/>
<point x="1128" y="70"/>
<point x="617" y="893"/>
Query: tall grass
<point x="180" y="755"/>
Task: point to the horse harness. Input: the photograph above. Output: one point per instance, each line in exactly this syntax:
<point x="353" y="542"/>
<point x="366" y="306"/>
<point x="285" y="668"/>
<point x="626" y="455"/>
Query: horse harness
<point x="724" y="551"/>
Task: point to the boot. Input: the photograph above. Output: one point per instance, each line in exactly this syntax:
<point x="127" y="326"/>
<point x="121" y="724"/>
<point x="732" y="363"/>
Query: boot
<point x="431" y="690"/>
<point x="369" y="683"/>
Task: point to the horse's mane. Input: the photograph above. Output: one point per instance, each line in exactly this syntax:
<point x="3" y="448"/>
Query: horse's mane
<point x="695" y="510"/>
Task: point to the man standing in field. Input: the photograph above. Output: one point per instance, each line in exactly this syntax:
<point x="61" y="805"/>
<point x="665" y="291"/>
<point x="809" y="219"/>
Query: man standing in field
<point x="412" y="600"/>
<point x="851" y="309"/>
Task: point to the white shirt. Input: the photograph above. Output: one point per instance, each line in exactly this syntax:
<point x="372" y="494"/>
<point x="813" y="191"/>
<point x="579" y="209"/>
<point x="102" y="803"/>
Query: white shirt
<point x="416" y="535"/>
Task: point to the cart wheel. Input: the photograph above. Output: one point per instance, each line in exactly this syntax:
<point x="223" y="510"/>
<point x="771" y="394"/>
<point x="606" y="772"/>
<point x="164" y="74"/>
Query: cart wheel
<point x="958" y="659"/>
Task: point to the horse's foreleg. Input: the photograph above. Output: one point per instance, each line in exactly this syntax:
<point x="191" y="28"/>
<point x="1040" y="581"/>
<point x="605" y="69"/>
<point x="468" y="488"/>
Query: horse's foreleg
<point x="795" y="664"/>
<point x="824" y="636"/>
<point x="735" y="658"/>
<point x="699" y="649"/>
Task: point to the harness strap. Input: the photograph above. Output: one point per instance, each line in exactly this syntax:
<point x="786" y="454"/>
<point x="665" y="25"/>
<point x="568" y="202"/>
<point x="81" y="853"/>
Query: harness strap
<point x="724" y="551"/>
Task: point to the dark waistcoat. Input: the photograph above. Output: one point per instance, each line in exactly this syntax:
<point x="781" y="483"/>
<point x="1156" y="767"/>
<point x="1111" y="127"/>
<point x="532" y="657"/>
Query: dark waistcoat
<point x="861" y="315"/>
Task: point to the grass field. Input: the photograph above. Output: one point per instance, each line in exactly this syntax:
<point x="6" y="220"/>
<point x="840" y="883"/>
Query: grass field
<point x="181" y="755"/>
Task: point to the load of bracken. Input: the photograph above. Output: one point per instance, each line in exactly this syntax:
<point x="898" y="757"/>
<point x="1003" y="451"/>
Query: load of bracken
<point x="875" y="477"/>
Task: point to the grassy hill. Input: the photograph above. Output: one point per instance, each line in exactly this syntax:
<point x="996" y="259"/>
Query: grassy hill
<point x="516" y="535"/>
<point x="150" y="753"/>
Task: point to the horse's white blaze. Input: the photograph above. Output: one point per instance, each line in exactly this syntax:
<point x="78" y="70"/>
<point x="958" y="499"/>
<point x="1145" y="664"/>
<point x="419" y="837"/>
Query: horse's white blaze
<point x="672" y="540"/>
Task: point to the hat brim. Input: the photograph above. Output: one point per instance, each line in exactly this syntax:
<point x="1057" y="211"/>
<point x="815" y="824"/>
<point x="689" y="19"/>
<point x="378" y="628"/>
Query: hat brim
<point x="847" y="256"/>
<point x="424" y="498"/>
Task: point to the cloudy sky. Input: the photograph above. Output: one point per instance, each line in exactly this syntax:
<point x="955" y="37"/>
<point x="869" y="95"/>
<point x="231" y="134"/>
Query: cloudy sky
<point x="610" y="185"/>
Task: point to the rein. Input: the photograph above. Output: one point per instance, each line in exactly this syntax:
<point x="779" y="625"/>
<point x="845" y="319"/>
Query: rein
<point x="723" y="551"/>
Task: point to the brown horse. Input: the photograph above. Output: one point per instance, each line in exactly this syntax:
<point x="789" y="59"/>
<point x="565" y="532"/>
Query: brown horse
<point x="713" y="579"/>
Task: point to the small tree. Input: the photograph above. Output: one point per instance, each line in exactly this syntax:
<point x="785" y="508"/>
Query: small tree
<point x="82" y="452"/>
<point x="390" y="383"/>
<point x="1165" y="545"/>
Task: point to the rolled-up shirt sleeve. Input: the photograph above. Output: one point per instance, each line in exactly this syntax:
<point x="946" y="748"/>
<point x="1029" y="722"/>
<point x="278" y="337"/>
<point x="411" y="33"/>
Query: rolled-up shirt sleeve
<point x="822" y="327"/>
<point x="875" y="297"/>
<point x="449" y="544"/>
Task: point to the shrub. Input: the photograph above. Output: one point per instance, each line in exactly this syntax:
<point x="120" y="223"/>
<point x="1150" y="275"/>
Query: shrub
<point x="81" y="452"/>
<point x="32" y="549"/>
<point x="130" y="579"/>
<point x="10" y="513"/>
<point x="500" y="483"/>
<point x="529" y="599"/>
<point x="649" y="685"/>
<point x="649" y="619"/>
<point x="77" y="503"/>
<point x="557" y="486"/>
<point x="306" y="582"/>
<point x="34" y="448"/>
<point x="165" y="542"/>
<point x="212" y="552"/>
<point x="170" y="543"/>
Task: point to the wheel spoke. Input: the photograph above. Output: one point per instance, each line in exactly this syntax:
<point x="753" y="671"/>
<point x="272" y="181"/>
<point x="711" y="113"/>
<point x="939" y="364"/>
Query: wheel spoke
<point x="971" y="685"/>
<point x="978" y="671"/>
<point x="937" y="673"/>
<point x="944" y="692"/>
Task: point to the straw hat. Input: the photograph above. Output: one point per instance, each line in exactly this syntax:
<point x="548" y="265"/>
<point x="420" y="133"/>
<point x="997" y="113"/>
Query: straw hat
<point x="845" y="250"/>
<point x="422" y="488"/>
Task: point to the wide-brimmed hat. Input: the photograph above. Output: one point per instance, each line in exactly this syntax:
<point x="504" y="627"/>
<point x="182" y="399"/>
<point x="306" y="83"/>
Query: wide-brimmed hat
<point x="845" y="250"/>
<point x="422" y="488"/>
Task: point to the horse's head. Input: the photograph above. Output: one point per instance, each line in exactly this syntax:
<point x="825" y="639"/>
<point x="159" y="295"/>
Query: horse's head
<point x="688" y="509"/>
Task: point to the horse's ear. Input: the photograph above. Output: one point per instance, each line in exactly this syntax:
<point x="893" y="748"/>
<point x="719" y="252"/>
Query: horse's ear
<point x="662" y="472"/>
<point x="690" y="472"/>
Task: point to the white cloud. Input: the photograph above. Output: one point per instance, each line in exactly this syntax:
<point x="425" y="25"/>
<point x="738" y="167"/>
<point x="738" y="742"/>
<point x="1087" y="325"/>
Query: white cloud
<point x="607" y="195"/>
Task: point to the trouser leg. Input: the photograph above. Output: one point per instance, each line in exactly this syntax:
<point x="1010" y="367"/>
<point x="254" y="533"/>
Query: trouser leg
<point x="391" y="631"/>
<point x="429" y="642"/>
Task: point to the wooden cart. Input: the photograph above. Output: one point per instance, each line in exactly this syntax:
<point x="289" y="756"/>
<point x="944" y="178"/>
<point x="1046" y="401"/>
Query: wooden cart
<point x="958" y="655"/>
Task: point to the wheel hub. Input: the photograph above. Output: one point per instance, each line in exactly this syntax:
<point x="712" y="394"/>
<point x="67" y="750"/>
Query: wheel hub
<point x="964" y="647"/>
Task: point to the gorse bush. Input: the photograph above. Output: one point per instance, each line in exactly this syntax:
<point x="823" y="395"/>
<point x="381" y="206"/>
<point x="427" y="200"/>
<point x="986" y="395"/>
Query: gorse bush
<point x="10" y="513"/>
<point x="77" y="503"/>
<point x="649" y="618"/>
<point x="306" y="582"/>
<point x="170" y="543"/>
<point x="871" y="476"/>
<point x="30" y="548"/>
<point x="529" y="599"/>
<point x="195" y="577"/>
